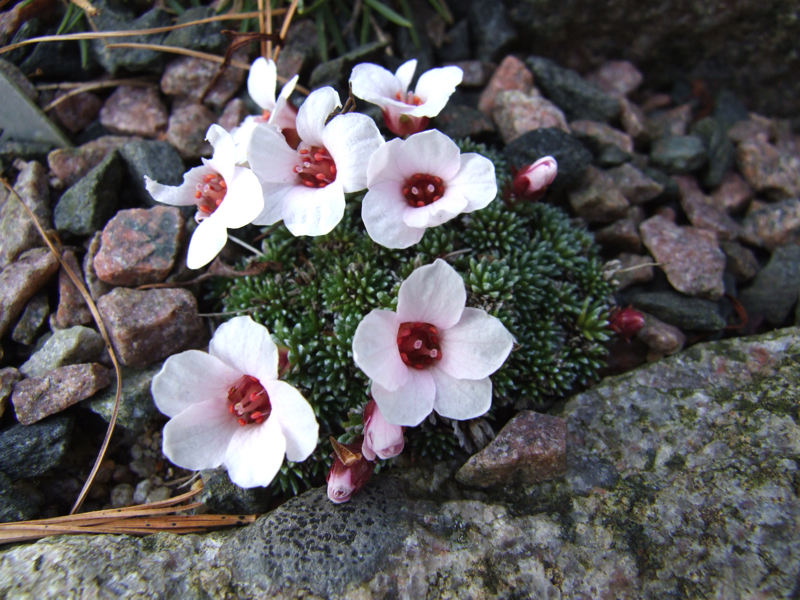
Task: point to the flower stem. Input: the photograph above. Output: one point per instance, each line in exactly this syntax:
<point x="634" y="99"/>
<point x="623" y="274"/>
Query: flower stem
<point x="245" y="245"/>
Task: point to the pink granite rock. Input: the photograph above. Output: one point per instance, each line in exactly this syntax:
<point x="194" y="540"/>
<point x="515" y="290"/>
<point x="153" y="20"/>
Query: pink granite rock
<point x="187" y="77"/>
<point x="598" y="199"/>
<point x="634" y="121"/>
<point x="135" y="111"/>
<point x="72" y="308"/>
<point x="77" y="112"/>
<point x="635" y="185"/>
<point x="661" y="338"/>
<point x="602" y="134"/>
<point x="39" y="397"/>
<point x="702" y="213"/>
<point x="633" y="269"/>
<point x="148" y="326"/>
<point x="616" y="77"/>
<point x="235" y="112"/>
<point x="733" y="195"/>
<point x="690" y="257"/>
<point x="516" y="112"/>
<point x="769" y="171"/>
<point x="8" y="379"/>
<point x="139" y="246"/>
<point x="187" y="130"/>
<point x="17" y="231"/>
<point x="531" y="448"/>
<point x="512" y="74"/>
<point x="68" y="165"/>
<point x="672" y="122"/>
<point x="21" y="280"/>
<point x="773" y="225"/>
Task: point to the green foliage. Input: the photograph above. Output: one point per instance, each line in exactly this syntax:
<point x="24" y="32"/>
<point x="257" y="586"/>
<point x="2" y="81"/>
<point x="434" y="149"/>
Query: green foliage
<point x="527" y="264"/>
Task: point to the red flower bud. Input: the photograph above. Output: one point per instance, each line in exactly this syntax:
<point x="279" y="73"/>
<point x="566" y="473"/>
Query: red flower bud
<point x="532" y="181"/>
<point x="625" y="322"/>
<point x="381" y="438"/>
<point x="349" y="473"/>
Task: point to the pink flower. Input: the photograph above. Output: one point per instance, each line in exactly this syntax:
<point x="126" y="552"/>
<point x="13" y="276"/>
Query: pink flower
<point x="405" y="112"/>
<point x="422" y="182"/>
<point x="433" y="353"/>
<point x="381" y="438"/>
<point x="349" y="473"/>
<point x="228" y="407"/>
<point x="531" y="182"/>
<point x="261" y="83"/>
<point x="226" y="196"/>
<point x="305" y="184"/>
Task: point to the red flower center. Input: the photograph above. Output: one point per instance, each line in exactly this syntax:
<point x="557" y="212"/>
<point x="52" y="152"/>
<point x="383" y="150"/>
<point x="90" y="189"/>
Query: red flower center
<point x="418" y="344"/>
<point x="410" y="98"/>
<point x="210" y="194"/>
<point x="421" y="190"/>
<point x="316" y="168"/>
<point x="249" y="400"/>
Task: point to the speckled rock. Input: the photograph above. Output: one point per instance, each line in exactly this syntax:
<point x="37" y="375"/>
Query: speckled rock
<point x="136" y="403"/>
<point x="187" y="78"/>
<point x="20" y="281"/>
<point x="68" y="165"/>
<point x="702" y="213"/>
<point x="96" y="286"/>
<point x="32" y="320"/>
<point x="773" y="225"/>
<point x="531" y="448"/>
<point x="769" y="171"/>
<point x="65" y="347"/>
<point x="635" y="185"/>
<point x="598" y="200"/>
<point x="674" y="121"/>
<point x="221" y="496"/>
<point x="91" y="202"/>
<point x="134" y="111"/>
<point x="775" y="289"/>
<point x="8" y="379"/>
<point x="511" y="74"/>
<point x="633" y="269"/>
<point x="39" y="397"/>
<point x="679" y="154"/>
<point x="690" y="314"/>
<point x="72" y="308"/>
<point x="515" y="113"/>
<point x="690" y="257"/>
<point x="139" y="246"/>
<point x="187" y="130"/>
<point x="78" y="111"/>
<point x="148" y="326"/>
<point x="616" y="77"/>
<point x="28" y="451"/>
<point x="733" y="194"/>
<point x="741" y="261"/>
<point x="578" y="98"/>
<point x="699" y="446"/>
<point x="597" y="136"/>
<point x="17" y="231"/>
<point x="661" y="338"/>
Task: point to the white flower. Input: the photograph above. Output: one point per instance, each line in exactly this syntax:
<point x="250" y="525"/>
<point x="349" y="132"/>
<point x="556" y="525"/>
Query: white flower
<point x="422" y="182"/>
<point x="226" y="196"/>
<point x="261" y="83"/>
<point x="433" y="353"/>
<point x="305" y="185"/>
<point x="381" y="438"/>
<point x="405" y="112"/>
<point x="228" y="407"/>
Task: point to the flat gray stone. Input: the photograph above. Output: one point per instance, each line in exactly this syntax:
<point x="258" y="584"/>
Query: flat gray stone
<point x="136" y="402"/>
<point x="65" y="347"/>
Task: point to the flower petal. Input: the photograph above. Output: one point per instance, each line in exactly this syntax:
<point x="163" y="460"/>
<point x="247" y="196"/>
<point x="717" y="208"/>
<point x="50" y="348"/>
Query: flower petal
<point x="409" y="404"/>
<point x="432" y="294"/>
<point x="461" y="399"/>
<point x="405" y="73"/>
<point x="383" y="164"/>
<point x="207" y="241"/>
<point x="270" y="157"/>
<point x="435" y="88"/>
<point x="241" y="137"/>
<point x="255" y="454"/>
<point x="374" y="83"/>
<point x="274" y="195"/>
<point x="430" y="152"/>
<point x="189" y="378"/>
<point x="261" y="82"/>
<point x="296" y="417"/>
<point x="476" y="180"/>
<point x="313" y="211"/>
<point x="243" y="201"/>
<point x="476" y="346"/>
<point x="224" y="158"/>
<point x="314" y="112"/>
<point x="247" y="346"/>
<point x="445" y="208"/>
<point x="351" y="140"/>
<point x="180" y="195"/>
<point x="382" y="211"/>
<point x="284" y="116"/>
<point x="375" y="349"/>
<point x="198" y="437"/>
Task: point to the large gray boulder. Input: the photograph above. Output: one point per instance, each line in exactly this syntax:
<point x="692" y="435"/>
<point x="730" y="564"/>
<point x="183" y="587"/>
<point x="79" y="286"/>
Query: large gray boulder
<point x="681" y="482"/>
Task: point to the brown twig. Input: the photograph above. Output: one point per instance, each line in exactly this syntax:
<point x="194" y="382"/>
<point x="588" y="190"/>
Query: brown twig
<point x="285" y="27"/>
<point x="86" y="6"/>
<point x="268" y="29"/>
<point x="130" y="33"/>
<point x="262" y="26"/>
<point x="102" y="328"/>
<point x="96" y="85"/>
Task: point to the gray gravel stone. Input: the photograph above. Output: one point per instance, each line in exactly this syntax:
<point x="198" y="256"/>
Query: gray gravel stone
<point x="121" y="495"/>
<point x="491" y="29"/>
<point x="207" y="37"/>
<point x="65" y="347"/>
<point x="773" y="225"/>
<point x="221" y="496"/>
<point x="13" y="505"/>
<point x="30" y="450"/>
<point x="136" y="403"/>
<point x="32" y="320"/>
<point x="17" y="231"/>
<point x="158" y="160"/>
<point x="679" y="154"/>
<point x="690" y="314"/>
<point x="720" y="150"/>
<point x="20" y="281"/>
<point x="775" y="289"/>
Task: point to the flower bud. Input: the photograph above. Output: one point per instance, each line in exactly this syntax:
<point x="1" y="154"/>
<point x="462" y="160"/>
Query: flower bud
<point x="349" y="473"/>
<point x="531" y="182"/>
<point x="381" y="438"/>
<point x="625" y="322"/>
<point x="404" y="125"/>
